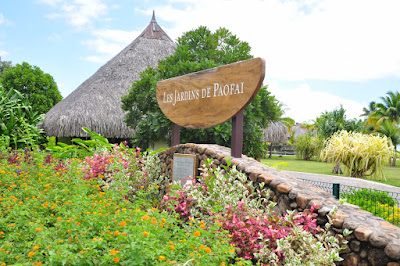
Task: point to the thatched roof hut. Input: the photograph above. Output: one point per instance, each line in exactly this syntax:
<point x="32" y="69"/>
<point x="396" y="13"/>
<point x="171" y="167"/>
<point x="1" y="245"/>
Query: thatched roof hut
<point x="276" y="132"/>
<point x="96" y="103"/>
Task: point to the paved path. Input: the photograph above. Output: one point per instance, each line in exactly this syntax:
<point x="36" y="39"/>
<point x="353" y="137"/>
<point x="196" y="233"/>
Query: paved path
<point x="349" y="181"/>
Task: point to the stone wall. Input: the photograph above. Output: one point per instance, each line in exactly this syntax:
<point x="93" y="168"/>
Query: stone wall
<point x="373" y="240"/>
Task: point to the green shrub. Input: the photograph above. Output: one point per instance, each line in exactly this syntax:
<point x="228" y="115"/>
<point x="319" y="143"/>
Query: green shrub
<point x="379" y="203"/>
<point x="18" y="123"/>
<point x="308" y="146"/>
<point x="361" y="154"/>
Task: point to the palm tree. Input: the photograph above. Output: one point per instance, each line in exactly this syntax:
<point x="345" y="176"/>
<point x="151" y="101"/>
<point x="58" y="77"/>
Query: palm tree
<point x="392" y="131"/>
<point x="389" y="109"/>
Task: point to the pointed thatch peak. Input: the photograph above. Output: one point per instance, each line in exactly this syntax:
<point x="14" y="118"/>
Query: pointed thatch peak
<point x="96" y="103"/>
<point x="154" y="31"/>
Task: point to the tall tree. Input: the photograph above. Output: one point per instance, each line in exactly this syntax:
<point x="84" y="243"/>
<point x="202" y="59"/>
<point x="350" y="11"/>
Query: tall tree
<point x="389" y="109"/>
<point x="197" y="50"/>
<point x="392" y="132"/>
<point x="40" y="88"/>
<point x="4" y="65"/>
<point x="330" y="122"/>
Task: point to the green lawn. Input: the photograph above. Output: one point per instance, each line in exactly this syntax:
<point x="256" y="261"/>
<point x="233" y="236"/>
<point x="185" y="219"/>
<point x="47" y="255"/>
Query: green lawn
<point x="291" y="163"/>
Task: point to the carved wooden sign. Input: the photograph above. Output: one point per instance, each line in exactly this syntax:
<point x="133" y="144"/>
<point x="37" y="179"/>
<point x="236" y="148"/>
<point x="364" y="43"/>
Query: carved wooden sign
<point x="210" y="97"/>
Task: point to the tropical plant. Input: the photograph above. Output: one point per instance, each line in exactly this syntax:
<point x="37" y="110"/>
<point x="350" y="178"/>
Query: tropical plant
<point x="18" y="122"/>
<point x="197" y="50"/>
<point x="82" y="148"/>
<point x="39" y="88"/>
<point x="361" y="154"/>
<point x="4" y="65"/>
<point x="308" y="146"/>
<point x="330" y="122"/>
<point x="392" y="131"/>
<point x="389" y="109"/>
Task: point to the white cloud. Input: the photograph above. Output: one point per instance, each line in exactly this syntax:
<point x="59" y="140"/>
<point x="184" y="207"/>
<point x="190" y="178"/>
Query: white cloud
<point x="3" y="20"/>
<point x="3" y="53"/>
<point x="108" y="43"/>
<point x="326" y="39"/>
<point x="78" y="13"/>
<point x="305" y="104"/>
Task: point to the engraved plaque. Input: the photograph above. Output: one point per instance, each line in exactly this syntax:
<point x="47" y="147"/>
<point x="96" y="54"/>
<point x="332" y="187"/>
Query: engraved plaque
<point x="184" y="165"/>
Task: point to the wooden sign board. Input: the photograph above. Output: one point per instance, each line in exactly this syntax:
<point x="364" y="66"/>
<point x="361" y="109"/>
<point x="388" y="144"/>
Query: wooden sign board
<point x="183" y="165"/>
<point x="210" y="97"/>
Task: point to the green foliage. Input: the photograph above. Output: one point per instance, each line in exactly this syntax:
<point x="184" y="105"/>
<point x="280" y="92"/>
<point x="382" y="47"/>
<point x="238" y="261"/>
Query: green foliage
<point x="96" y="144"/>
<point x="308" y="146"/>
<point x="361" y="154"/>
<point x="197" y="50"/>
<point x="18" y="122"/>
<point x="39" y="88"/>
<point x="330" y="122"/>
<point x="379" y="203"/>
<point x="4" y="65"/>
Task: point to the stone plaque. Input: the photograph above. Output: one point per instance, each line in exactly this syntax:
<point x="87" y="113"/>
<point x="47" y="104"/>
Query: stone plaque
<point x="210" y="97"/>
<point x="184" y="165"/>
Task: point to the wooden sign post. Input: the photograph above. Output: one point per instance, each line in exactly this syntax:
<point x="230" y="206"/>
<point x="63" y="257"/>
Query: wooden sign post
<point x="211" y="97"/>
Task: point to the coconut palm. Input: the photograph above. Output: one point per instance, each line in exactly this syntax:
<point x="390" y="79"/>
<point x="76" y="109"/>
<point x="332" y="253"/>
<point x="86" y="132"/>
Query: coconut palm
<point x="389" y="109"/>
<point x="392" y="131"/>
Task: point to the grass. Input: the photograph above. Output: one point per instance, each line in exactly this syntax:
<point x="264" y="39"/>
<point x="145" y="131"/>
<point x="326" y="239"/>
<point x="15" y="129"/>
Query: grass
<point x="291" y="163"/>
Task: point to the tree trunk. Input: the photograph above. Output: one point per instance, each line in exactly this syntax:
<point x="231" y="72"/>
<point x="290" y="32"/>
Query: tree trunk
<point x="337" y="169"/>
<point x="395" y="156"/>
<point x="270" y="150"/>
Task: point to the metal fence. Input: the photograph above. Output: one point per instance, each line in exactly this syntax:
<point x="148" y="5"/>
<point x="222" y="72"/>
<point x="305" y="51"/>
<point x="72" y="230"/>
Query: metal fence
<point x="384" y="204"/>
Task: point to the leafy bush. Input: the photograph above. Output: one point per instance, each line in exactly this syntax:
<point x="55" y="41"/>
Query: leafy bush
<point x="361" y="154"/>
<point x="379" y="203"/>
<point x="308" y="146"/>
<point x="224" y="196"/>
<point x="18" y="123"/>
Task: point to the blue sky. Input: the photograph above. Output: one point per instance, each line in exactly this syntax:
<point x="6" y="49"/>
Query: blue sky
<point x="319" y="54"/>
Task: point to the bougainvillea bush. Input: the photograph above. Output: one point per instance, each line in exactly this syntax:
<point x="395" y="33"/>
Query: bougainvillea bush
<point x="115" y="208"/>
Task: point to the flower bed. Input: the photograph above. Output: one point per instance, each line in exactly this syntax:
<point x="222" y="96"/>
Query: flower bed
<point x="113" y="208"/>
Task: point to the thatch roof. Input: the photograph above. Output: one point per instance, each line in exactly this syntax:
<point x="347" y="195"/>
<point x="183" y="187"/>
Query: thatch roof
<point x="96" y="103"/>
<point x="276" y="132"/>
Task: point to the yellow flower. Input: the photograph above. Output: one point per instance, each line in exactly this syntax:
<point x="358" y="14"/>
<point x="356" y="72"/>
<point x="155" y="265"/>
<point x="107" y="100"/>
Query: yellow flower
<point x="116" y="259"/>
<point x="145" y="233"/>
<point x="114" y="251"/>
<point x="197" y="233"/>
<point x="231" y="250"/>
<point x="161" y="258"/>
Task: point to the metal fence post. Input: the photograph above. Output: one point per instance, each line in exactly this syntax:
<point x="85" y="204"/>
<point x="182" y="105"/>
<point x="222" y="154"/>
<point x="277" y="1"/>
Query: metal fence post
<point x="336" y="190"/>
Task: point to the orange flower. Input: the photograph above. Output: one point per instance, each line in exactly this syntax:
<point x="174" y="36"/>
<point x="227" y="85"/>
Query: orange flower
<point x="197" y="233"/>
<point x="223" y="264"/>
<point x="37" y="263"/>
<point x="163" y="220"/>
<point x="208" y="250"/>
<point x="36" y="247"/>
<point x="30" y="254"/>
<point x="161" y="258"/>
<point x="123" y="223"/>
<point x="172" y="247"/>
<point x="145" y="233"/>
<point x="231" y="250"/>
<point x="202" y="226"/>
<point x="114" y="251"/>
<point x="38" y="229"/>
<point x="116" y="233"/>
<point x="116" y="259"/>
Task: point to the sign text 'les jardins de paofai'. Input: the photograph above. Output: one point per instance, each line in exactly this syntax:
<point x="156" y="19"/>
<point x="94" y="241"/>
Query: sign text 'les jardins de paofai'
<point x="210" y="97"/>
